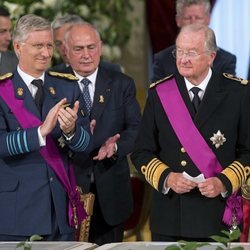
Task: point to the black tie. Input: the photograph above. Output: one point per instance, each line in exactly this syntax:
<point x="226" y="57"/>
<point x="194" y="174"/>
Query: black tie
<point x="39" y="94"/>
<point x="86" y="94"/>
<point x="196" y="99"/>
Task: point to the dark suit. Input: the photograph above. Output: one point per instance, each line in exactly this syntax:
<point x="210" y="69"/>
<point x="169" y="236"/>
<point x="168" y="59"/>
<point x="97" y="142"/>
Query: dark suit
<point x="224" y="107"/>
<point x="62" y="67"/>
<point x="164" y="63"/>
<point x="115" y="110"/>
<point x="8" y="62"/>
<point x="29" y="189"/>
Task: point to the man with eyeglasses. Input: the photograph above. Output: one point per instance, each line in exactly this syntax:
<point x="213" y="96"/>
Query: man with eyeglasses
<point x="40" y="123"/>
<point x="193" y="144"/>
<point x="8" y="59"/>
<point x="188" y="12"/>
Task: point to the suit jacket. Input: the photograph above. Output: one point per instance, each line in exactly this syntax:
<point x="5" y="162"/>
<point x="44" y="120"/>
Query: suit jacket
<point x="224" y="107"/>
<point x="29" y="188"/>
<point x="115" y="110"/>
<point x="165" y="63"/>
<point x="62" y="67"/>
<point x="8" y="62"/>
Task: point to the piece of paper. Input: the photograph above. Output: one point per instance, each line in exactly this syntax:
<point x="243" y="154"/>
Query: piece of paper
<point x="199" y="178"/>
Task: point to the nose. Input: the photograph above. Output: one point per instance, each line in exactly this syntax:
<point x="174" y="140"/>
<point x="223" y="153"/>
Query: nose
<point x="85" y="52"/>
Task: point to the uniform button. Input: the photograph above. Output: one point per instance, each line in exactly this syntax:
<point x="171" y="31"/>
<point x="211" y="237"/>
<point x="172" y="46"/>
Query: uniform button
<point x="183" y="163"/>
<point x="51" y="179"/>
<point x="183" y="150"/>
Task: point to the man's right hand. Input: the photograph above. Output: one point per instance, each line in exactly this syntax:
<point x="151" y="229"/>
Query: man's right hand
<point x="51" y="119"/>
<point x="179" y="184"/>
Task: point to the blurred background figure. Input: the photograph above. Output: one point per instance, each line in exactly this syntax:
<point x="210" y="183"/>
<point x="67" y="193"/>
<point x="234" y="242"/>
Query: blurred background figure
<point x="8" y="59"/>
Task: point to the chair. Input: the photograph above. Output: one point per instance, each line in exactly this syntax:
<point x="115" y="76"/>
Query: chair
<point x="141" y="196"/>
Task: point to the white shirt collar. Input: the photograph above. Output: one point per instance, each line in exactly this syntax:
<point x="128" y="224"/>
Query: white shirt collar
<point x="28" y="78"/>
<point x="91" y="77"/>
<point x="202" y="85"/>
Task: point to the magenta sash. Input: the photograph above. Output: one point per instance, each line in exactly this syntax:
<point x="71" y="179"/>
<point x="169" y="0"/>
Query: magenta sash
<point x="50" y="153"/>
<point x="191" y="139"/>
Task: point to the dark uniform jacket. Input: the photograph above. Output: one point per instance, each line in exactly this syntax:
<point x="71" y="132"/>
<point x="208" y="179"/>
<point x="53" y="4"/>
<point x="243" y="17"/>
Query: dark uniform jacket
<point x="165" y="63"/>
<point x="224" y="107"/>
<point x="115" y="110"/>
<point x="29" y="188"/>
<point x="8" y="62"/>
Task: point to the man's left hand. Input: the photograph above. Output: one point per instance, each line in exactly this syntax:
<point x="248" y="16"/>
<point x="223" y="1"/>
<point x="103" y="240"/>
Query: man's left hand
<point x="67" y="118"/>
<point x="211" y="187"/>
<point x="108" y="149"/>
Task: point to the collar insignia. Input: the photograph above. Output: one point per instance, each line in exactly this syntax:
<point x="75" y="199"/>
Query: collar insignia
<point x="20" y="91"/>
<point x="52" y="91"/>
<point x="218" y="139"/>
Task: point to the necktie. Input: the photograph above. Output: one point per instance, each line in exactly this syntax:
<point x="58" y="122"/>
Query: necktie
<point x="196" y="99"/>
<point x="86" y="95"/>
<point x="39" y="94"/>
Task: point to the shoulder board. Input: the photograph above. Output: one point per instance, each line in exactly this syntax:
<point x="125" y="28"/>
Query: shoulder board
<point x="235" y="78"/>
<point x="160" y="81"/>
<point x="63" y="75"/>
<point x="5" y="76"/>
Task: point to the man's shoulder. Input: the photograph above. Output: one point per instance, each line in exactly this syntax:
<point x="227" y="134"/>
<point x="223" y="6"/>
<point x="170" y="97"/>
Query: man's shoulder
<point x="165" y="52"/>
<point x="5" y="76"/>
<point x="110" y="66"/>
<point x="235" y="79"/>
<point x="152" y="85"/>
<point x="65" y="76"/>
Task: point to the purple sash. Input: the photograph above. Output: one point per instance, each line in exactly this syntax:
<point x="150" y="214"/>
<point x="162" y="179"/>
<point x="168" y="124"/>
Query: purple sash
<point x="50" y="153"/>
<point x="191" y="139"/>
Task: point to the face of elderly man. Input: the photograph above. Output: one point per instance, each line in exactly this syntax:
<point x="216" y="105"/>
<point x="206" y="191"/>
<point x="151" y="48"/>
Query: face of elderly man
<point x="193" y="60"/>
<point x="83" y="48"/>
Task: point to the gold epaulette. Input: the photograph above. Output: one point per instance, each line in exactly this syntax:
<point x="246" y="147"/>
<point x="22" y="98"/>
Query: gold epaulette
<point x="237" y="174"/>
<point x="153" y="172"/>
<point x="63" y="75"/>
<point x="235" y="78"/>
<point x="160" y="81"/>
<point x="5" y="76"/>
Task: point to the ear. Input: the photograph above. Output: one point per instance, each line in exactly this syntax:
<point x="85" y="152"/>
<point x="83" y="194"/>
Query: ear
<point x="16" y="47"/>
<point x="178" y="21"/>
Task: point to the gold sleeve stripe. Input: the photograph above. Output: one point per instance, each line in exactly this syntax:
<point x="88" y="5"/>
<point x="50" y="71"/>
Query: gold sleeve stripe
<point x="236" y="175"/>
<point x="153" y="172"/>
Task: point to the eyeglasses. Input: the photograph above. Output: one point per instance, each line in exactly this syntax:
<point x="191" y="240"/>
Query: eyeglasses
<point x="191" y="54"/>
<point x="40" y="46"/>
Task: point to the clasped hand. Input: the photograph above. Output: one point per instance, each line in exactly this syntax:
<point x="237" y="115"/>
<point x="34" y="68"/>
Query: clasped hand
<point x="66" y="118"/>
<point x="210" y="188"/>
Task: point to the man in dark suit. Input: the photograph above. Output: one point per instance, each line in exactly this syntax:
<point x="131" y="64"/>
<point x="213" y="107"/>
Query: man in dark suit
<point x="8" y="59"/>
<point x="195" y="122"/>
<point x="188" y="12"/>
<point x="110" y="99"/>
<point x="38" y="193"/>
<point x="60" y="25"/>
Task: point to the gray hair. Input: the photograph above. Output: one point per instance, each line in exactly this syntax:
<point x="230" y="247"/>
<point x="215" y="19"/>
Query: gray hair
<point x="210" y="40"/>
<point x="67" y="34"/>
<point x="29" y="23"/>
<point x="66" y="19"/>
<point x="181" y="4"/>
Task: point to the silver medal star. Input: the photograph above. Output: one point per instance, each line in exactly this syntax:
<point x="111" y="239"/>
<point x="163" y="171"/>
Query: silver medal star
<point x="218" y="139"/>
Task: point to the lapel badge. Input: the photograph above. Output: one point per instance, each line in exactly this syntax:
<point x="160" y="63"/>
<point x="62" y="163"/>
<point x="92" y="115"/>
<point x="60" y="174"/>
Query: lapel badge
<point x="218" y="139"/>
<point x="101" y="99"/>
<point x="52" y="91"/>
<point x="19" y="91"/>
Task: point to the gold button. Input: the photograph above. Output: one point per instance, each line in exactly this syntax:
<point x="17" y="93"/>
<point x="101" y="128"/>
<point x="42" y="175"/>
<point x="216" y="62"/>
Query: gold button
<point x="183" y="163"/>
<point x="183" y="150"/>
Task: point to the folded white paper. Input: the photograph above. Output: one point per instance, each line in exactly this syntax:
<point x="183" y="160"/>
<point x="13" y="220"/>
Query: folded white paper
<point x="199" y="178"/>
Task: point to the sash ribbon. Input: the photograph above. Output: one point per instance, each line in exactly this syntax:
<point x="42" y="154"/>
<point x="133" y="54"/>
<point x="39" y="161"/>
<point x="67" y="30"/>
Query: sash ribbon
<point x="193" y="142"/>
<point x="50" y="153"/>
